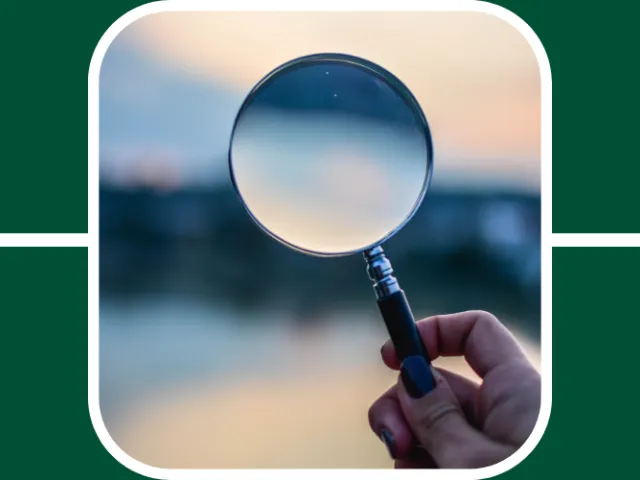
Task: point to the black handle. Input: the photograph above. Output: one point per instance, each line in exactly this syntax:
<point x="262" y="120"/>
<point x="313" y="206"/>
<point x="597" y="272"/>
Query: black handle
<point x="402" y="326"/>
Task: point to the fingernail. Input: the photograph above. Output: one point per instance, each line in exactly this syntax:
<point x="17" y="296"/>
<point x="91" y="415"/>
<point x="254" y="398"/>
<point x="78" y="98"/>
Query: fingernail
<point x="387" y="439"/>
<point x="416" y="376"/>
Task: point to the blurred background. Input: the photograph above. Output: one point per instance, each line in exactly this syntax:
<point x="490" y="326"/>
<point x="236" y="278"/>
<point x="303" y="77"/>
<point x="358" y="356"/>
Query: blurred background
<point x="220" y="348"/>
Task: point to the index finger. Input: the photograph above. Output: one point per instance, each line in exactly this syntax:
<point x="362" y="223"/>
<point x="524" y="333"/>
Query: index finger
<point x="478" y="336"/>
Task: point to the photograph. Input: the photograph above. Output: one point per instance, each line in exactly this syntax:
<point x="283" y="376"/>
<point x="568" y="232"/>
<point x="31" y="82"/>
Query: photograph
<point x="319" y="239"/>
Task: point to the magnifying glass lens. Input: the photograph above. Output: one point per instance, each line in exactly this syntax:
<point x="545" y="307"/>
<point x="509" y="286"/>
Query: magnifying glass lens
<point x="330" y="154"/>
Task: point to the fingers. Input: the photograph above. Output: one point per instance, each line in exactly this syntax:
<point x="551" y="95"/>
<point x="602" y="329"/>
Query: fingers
<point x="479" y="336"/>
<point x="466" y="392"/>
<point x="388" y="423"/>
<point x="439" y="424"/>
<point x="512" y="393"/>
<point x="388" y="351"/>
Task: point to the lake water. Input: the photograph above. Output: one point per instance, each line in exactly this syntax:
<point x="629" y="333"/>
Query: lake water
<point x="190" y="384"/>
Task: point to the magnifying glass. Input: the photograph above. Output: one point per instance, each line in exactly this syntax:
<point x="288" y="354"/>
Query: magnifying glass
<point x="331" y="155"/>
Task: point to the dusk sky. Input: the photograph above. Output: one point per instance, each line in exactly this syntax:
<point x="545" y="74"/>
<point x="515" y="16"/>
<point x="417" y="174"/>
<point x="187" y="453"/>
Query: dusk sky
<point x="171" y="84"/>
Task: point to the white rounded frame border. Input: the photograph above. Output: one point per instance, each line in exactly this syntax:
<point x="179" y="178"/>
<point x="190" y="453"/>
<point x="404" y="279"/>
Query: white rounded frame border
<point x="91" y="240"/>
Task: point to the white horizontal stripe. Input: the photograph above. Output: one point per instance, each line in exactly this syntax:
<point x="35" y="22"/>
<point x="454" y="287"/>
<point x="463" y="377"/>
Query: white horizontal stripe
<point x="44" y="240"/>
<point x="595" y="240"/>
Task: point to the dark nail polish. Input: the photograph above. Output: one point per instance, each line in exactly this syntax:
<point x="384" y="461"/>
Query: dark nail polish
<point x="416" y="376"/>
<point x="387" y="439"/>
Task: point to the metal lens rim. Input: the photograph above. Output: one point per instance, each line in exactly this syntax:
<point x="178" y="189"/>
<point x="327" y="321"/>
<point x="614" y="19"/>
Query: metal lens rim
<point x="383" y="75"/>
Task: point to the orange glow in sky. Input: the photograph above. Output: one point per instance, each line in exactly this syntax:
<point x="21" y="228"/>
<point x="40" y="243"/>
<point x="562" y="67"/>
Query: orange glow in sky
<point x="475" y="76"/>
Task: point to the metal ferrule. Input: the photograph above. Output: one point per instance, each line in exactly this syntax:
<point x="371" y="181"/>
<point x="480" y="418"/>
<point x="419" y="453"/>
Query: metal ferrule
<point x="381" y="272"/>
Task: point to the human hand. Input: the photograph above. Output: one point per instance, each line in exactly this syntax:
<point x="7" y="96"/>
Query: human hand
<point x="459" y="424"/>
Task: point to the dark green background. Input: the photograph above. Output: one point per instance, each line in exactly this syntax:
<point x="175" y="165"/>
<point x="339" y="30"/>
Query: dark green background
<point x="46" y="48"/>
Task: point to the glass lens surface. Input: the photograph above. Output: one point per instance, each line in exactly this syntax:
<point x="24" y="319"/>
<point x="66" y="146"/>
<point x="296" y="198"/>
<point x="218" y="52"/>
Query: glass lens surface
<point x="330" y="154"/>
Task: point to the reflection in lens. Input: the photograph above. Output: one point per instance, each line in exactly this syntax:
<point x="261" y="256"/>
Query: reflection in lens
<point x="329" y="157"/>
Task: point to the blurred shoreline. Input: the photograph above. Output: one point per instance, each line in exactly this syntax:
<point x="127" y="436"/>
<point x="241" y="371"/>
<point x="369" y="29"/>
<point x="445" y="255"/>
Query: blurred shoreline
<point x="481" y="247"/>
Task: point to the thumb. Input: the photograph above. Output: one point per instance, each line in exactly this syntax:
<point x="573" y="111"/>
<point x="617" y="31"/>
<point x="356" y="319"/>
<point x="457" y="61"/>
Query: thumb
<point x="437" y="421"/>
